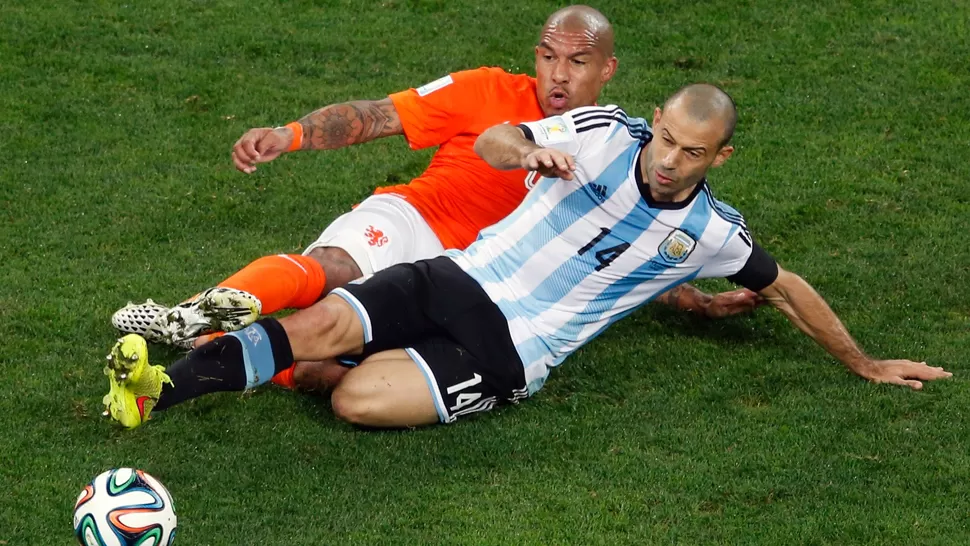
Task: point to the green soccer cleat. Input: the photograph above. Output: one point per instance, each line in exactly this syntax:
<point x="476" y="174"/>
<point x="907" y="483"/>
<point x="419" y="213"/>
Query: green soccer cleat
<point x="135" y="384"/>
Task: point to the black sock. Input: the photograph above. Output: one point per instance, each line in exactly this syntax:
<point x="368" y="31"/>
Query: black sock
<point x="224" y="365"/>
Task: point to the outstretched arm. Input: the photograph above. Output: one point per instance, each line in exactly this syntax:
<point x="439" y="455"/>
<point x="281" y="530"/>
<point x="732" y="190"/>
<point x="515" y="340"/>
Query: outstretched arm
<point x="794" y="297"/>
<point x="331" y="127"/>
<point x="347" y="123"/>
<point x="505" y="147"/>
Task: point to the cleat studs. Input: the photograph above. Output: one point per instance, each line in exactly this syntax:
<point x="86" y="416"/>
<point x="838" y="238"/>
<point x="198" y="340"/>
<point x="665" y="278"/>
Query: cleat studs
<point x="105" y="413"/>
<point x="133" y="357"/>
<point x="109" y="358"/>
<point x="123" y="376"/>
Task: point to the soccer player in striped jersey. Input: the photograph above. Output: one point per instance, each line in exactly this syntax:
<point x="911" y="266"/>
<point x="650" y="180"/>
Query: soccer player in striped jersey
<point x="444" y="207"/>
<point x="620" y="214"/>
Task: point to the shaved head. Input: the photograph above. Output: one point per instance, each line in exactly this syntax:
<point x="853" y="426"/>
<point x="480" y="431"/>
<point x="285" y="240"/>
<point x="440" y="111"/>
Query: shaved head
<point x="584" y="20"/>
<point x="692" y="133"/>
<point x="574" y="59"/>
<point x="702" y="102"/>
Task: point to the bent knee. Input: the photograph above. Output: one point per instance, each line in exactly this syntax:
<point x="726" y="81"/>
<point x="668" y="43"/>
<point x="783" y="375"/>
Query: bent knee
<point x="353" y="404"/>
<point x="337" y="264"/>
<point x="384" y="394"/>
<point x="324" y="330"/>
<point x="322" y="317"/>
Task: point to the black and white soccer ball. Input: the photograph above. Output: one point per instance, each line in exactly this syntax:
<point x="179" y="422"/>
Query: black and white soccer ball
<point x="124" y="507"/>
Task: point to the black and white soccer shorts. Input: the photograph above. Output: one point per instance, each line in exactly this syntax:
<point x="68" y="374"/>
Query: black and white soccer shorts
<point x="456" y="335"/>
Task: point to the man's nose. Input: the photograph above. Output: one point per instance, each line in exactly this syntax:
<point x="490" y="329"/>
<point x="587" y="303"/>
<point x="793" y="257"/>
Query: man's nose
<point x="560" y="73"/>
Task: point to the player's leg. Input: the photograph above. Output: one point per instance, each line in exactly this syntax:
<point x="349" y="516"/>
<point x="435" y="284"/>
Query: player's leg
<point x="380" y="232"/>
<point x="290" y="281"/>
<point x="466" y="360"/>
<point x="250" y="357"/>
<point x="386" y="390"/>
<point x="393" y="233"/>
<point x="340" y="324"/>
<point x="234" y="362"/>
<point x="314" y="376"/>
<point x="379" y="312"/>
<point x="437" y="380"/>
<point x="215" y="309"/>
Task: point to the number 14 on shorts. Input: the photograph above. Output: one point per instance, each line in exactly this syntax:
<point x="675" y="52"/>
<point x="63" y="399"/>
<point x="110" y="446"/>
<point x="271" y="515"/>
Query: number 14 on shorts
<point x="465" y="399"/>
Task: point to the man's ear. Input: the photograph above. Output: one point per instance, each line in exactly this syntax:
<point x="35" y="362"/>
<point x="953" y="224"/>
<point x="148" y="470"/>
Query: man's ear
<point x="722" y="155"/>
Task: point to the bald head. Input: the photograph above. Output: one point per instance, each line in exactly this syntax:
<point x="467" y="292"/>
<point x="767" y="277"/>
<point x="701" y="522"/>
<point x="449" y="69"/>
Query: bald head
<point x="582" y="19"/>
<point x="703" y="102"/>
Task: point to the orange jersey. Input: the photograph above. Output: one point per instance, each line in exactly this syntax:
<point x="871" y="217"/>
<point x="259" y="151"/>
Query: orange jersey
<point x="459" y="194"/>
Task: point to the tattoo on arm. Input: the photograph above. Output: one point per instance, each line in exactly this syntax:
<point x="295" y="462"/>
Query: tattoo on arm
<point x="669" y="297"/>
<point x="686" y="298"/>
<point x="340" y="125"/>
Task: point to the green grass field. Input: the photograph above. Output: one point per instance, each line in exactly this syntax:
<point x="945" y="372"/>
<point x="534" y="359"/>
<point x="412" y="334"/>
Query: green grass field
<point x="851" y="168"/>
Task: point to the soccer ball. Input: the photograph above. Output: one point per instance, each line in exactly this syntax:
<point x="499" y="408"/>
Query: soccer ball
<point x="124" y="507"/>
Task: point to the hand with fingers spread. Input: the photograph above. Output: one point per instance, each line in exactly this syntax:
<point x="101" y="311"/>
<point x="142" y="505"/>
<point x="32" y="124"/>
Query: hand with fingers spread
<point x="794" y="297"/>
<point x="260" y="145"/>
<point x="902" y="372"/>
<point x="550" y="163"/>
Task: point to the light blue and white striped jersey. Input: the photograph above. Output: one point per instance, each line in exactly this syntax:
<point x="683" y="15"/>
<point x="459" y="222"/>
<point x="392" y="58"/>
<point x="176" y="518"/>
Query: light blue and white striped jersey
<point x="578" y="255"/>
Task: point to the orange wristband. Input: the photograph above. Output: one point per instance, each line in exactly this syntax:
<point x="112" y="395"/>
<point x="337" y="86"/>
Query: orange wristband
<point x="297" y="136"/>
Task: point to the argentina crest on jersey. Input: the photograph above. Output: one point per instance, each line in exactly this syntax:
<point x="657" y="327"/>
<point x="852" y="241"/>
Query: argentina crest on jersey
<point x="677" y="247"/>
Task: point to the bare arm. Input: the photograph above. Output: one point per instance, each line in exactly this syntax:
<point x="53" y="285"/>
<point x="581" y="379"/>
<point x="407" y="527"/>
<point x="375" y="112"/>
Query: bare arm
<point x="328" y="128"/>
<point x="693" y="300"/>
<point x="348" y="123"/>
<point x="505" y="147"/>
<point x="794" y="297"/>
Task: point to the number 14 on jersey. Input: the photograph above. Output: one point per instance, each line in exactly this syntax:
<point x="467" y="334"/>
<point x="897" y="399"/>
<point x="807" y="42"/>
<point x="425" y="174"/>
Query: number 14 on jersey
<point x="605" y="256"/>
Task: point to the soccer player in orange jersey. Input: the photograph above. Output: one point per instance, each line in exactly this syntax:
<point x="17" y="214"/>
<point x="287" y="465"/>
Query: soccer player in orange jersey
<point x="445" y="207"/>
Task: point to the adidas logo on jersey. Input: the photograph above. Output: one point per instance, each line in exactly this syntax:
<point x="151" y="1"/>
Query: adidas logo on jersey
<point x="599" y="190"/>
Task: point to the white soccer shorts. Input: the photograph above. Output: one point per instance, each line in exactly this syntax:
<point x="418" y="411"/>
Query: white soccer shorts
<point x="382" y="231"/>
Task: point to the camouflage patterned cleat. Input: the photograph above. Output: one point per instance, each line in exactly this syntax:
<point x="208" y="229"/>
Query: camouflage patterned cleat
<point x="135" y="384"/>
<point x="135" y="318"/>
<point x="217" y="309"/>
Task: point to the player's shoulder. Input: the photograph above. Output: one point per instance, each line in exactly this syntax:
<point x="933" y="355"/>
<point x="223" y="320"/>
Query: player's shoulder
<point x="495" y="83"/>
<point x="610" y="119"/>
<point x="494" y="74"/>
<point x="725" y="212"/>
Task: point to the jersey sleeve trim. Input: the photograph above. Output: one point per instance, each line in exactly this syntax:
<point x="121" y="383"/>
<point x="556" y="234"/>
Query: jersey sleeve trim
<point x="585" y="128"/>
<point x="604" y="117"/>
<point x="721" y="210"/>
<point x="759" y="272"/>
